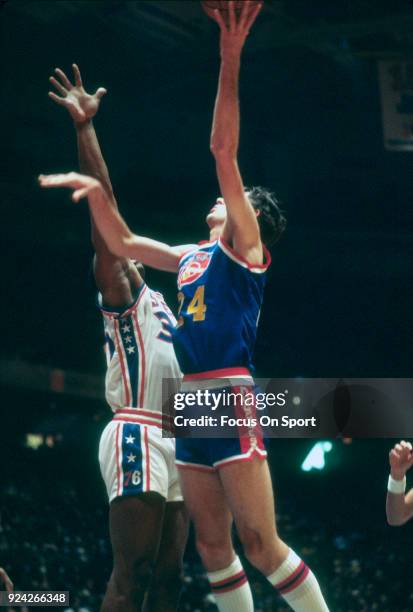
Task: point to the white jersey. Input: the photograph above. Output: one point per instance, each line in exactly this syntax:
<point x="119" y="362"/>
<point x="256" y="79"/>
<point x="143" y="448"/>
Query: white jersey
<point x="139" y="354"/>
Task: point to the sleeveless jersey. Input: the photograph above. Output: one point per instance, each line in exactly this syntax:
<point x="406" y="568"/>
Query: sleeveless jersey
<point x="220" y="296"/>
<point x="139" y="352"/>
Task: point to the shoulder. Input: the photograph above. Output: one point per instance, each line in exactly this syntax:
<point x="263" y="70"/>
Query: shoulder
<point x="112" y="310"/>
<point x="234" y="256"/>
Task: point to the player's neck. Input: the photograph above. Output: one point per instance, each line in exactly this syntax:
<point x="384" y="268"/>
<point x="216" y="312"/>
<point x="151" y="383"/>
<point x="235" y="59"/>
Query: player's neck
<point x="215" y="233"/>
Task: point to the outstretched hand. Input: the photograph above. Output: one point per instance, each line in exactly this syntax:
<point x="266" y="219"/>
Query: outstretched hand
<point x="234" y="34"/>
<point x="81" y="105"/>
<point x="82" y="185"/>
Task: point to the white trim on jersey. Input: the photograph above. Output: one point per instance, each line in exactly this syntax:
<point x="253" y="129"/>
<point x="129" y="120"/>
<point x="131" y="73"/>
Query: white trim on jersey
<point x="254" y="450"/>
<point x="123" y="362"/>
<point x="255" y="268"/>
<point x="141" y="378"/>
<point x="146" y="463"/>
<point x="119" y="459"/>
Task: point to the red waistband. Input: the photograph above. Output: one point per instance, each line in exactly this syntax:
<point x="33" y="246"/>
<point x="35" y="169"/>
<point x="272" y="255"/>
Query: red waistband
<point x="222" y="373"/>
<point x="144" y="417"/>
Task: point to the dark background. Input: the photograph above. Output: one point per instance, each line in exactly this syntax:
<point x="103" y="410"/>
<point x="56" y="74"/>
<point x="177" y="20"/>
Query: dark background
<point x="339" y="299"/>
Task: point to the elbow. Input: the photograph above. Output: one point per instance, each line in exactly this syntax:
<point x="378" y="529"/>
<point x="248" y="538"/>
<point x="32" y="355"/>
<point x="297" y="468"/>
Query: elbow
<point x="128" y="247"/>
<point x="223" y="150"/>
<point x="120" y="246"/>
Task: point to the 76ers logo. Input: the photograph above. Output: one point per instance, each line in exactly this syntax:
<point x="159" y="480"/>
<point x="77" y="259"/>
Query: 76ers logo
<point x="192" y="269"/>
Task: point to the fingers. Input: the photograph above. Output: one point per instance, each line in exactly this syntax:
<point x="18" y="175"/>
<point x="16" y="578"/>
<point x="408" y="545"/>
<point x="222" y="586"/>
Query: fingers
<point x="80" y="193"/>
<point x="232" y="17"/>
<point x="100" y="92"/>
<point x="58" y="86"/>
<point x="71" y="179"/>
<point x="82" y="185"/>
<point x="220" y="20"/>
<point x="238" y="24"/>
<point x="393" y="455"/>
<point x="405" y="444"/>
<point x="245" y="12"/>
<point x="253" y="17"/>
<point x="52" y="180"/>
<point x="56" y="98"/>
<point x="63" y="78"/>
<point x="77" y="75"/>
<point x="402" y="453"/>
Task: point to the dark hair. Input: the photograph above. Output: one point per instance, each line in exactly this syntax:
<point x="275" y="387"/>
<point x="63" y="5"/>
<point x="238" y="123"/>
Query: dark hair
<point x="270" y="219"/>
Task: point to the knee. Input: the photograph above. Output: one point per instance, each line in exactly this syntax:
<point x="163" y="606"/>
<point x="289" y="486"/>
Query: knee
<point x="262" y="551"/>
<point x="133" y="576"/>
<point x="215" y="553"/>
<point x="253" y="544"/>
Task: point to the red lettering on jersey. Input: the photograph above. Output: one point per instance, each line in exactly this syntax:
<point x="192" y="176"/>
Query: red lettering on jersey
<point x="193" y="268"/>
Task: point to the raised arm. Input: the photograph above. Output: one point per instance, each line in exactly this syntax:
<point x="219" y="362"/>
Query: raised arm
<point x="241" y="228"/>
<point x="117" y="235"/>
<point x="116" y="277"/>
<point x="399" y="506"/>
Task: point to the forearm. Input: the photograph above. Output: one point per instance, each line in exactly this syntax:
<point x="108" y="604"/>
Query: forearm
<point x="396" y="509"/>
<point x="225" y="125"/>
<point x="108" y="222"/>
<point x="91" y="161"/>
<point x="121" y="241"/>
<point x="399" y="505"/>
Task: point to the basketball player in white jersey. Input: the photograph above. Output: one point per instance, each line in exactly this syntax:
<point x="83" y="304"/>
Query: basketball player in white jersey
<point x="148" y="524"/>
<point x="399" y="504"/>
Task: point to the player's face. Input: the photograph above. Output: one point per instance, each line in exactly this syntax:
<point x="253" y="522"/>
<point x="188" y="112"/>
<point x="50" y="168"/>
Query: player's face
<point x="218" y="214"/>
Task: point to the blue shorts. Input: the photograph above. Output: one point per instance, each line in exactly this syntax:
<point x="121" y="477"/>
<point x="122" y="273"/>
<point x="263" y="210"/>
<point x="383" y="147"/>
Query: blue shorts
<point x="215" y="449"/>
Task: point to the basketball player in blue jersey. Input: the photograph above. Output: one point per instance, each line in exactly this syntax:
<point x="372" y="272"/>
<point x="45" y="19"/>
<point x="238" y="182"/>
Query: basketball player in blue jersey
<point x="220" y="293"/>
<point x="148" y="524"/>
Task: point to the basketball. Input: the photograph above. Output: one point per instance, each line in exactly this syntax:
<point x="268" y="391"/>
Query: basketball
<point x="223" y="5"/>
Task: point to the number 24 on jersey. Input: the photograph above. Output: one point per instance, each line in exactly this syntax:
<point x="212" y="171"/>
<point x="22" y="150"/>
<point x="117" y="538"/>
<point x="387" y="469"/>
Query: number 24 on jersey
<point x="196" y="307"/>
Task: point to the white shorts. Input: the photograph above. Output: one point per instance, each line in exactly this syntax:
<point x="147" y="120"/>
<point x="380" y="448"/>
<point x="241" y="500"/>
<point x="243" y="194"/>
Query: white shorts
<point x="135" y="458"/>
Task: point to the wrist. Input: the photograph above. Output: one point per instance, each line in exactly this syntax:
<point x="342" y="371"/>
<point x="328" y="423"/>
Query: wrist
<point x="82" y="125"/>
<point x="230" y="56"/>
<point x="397" y="474"/>
<point x="396" y="485"/>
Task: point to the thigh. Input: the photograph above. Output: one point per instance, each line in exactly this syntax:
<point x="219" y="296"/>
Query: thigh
<point x="250" y="496"/>
<point x="135" y="529"/>
<point x="132" y="460"/>
<point x="173" y="539"/>
<point x="206" y="503"/>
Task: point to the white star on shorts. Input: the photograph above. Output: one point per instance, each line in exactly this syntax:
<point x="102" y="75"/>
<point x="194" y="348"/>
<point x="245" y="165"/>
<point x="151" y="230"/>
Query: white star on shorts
<point x="130" y="349"/>
<point x="129" y="439"/>
<point x="125" y="328"/>
<point x="131" y="458"/>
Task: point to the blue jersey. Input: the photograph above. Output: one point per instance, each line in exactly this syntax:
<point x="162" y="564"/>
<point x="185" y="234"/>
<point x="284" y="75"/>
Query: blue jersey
<point x="220" y="297"/>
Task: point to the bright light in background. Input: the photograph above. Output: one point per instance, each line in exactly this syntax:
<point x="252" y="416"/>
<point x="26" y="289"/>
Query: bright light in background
<point x="315" y="459"/>
<point x="34" y="441"/>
